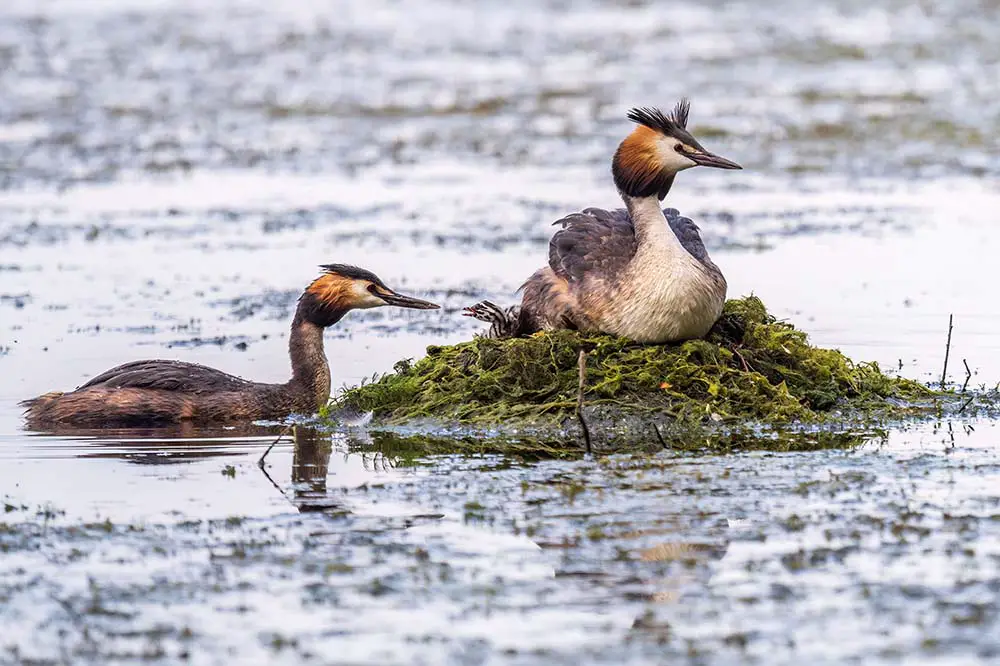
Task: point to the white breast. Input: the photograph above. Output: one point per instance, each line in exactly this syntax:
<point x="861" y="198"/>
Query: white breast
<point x="665" y="295"/>
<point x="665" y="299"/>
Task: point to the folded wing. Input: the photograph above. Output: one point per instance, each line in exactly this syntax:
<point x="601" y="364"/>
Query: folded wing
<point x="167" y="376"/>
<point x="602" y="242"/>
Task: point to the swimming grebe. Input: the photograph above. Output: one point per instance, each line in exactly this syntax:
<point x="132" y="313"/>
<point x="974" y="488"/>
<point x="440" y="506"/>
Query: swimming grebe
<point x="155" y="392"/>
<point x="639" y="272"/>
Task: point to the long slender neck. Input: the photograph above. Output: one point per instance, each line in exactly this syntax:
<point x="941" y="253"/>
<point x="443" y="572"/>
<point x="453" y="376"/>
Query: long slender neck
<point x="310" y="370"/>
<point x="651" y="228"/>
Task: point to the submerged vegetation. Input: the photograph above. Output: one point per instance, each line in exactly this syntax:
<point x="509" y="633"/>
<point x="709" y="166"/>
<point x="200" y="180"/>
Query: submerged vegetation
<point x="750" y="368"/>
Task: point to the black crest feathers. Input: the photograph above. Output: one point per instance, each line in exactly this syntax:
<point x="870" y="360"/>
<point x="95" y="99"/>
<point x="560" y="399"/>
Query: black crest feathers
<point x="352" y="272"/>
<point x="655" y="119"/>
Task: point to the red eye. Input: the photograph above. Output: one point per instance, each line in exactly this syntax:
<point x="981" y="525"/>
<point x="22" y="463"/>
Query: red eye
<point x="680" y="148"/>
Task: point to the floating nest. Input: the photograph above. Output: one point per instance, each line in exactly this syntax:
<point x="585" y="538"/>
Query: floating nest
<point x="751" y="368"/>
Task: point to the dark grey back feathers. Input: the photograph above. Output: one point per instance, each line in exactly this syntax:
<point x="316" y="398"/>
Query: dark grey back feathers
<point x="602" y="242"/>
<point x="168" y="376"/>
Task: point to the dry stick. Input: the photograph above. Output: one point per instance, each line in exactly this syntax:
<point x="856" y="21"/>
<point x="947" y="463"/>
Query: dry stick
<point x="746" y="368"/>
<point x="966" y="404"/>
<point x="660" y="437"/>
<point x="260" y="463"/>
<point x="968" y="375"/>
<point x="582" y="365"/>
<point x="947" y="351"/>
<point x="274" y="483"/>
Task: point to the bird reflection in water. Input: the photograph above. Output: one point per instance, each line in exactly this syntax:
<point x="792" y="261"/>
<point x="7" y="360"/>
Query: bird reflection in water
<point x="311" y="453"/>
<point x="310" y="467"/>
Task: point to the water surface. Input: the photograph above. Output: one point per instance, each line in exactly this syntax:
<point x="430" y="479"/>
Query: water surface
<point x="172" y="174"/>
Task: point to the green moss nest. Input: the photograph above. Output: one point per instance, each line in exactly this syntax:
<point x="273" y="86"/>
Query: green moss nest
<point x="750" y="367"/>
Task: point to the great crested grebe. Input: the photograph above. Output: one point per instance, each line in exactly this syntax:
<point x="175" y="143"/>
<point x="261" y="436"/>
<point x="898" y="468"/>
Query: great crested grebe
<point x="155" y="392"/>
<point x="639" y="272"/>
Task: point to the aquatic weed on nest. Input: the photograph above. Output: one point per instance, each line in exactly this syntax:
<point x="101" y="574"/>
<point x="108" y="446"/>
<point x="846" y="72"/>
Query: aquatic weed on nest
<point x="750" y="366"/>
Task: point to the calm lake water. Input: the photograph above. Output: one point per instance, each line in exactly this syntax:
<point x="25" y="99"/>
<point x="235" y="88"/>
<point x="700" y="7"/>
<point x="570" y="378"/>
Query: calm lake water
<point x="172" y="173"/>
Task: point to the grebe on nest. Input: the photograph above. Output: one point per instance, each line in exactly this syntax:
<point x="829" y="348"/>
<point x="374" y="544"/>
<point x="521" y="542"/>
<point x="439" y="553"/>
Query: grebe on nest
<point x="639" y="272"/>
<point x="155" y="392"/>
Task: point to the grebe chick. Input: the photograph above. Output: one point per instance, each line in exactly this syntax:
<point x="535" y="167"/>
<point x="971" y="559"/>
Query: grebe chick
<point x="145" y="393"/>
<point x="639" y="272"/>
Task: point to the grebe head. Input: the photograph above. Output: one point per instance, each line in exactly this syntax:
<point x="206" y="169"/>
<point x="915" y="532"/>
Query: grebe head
<point x="342" y="288"/>
<point x="648" y="159"/>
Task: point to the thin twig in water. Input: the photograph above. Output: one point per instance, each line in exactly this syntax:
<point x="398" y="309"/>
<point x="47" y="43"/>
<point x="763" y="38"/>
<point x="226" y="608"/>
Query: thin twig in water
<point x="260" y="463"/>
<point x="966" y="404"/>
<point x="947" y="351"/>
<point x="968" y="375"/>
<point x="582" y="365"/>
<point x="267" y="476"/>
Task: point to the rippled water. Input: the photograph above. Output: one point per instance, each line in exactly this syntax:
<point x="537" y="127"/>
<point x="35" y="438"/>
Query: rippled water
<point x="171" y="174"/>
<point x="886" y="550"/>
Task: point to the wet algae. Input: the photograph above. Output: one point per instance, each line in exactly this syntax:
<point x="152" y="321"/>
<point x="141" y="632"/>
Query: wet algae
<point x="750" y="368"/>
